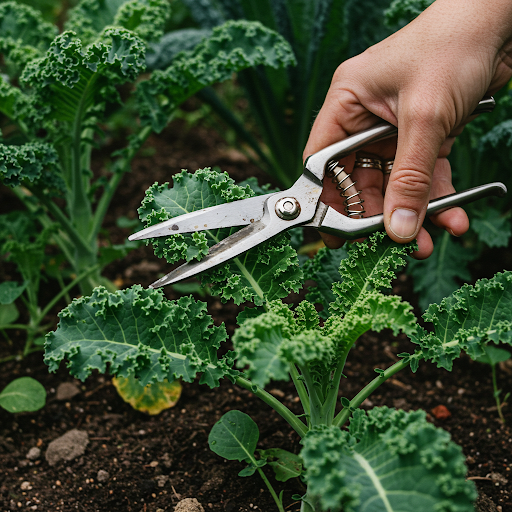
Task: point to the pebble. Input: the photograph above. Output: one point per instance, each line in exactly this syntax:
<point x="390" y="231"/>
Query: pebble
<point x="25" y="486"/>
<point x="189" y="505"/>
<point x="102" y="476"/>
<point x="67" y="447"/>
<point x="66" y="391"/>
<point x="34" y="453"/>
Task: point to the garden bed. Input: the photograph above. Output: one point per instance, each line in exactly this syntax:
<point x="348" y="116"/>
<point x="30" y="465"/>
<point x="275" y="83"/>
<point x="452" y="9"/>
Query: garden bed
<point x="150" y="463"/>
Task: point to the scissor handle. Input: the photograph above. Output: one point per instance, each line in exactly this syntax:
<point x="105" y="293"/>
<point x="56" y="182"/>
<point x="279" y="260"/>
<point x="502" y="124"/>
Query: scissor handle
<point x="317" y="163"/>
<point x="331" y="221"/>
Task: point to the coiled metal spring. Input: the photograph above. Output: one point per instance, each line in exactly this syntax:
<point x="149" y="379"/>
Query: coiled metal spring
<point x="344" y="183"/>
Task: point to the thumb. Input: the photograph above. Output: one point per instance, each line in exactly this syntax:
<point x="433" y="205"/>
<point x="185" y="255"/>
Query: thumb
<point x="420" y="137"/>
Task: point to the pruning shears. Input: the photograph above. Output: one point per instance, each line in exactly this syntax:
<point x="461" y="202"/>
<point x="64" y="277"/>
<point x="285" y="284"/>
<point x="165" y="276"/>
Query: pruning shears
<point x="266" y="216"/>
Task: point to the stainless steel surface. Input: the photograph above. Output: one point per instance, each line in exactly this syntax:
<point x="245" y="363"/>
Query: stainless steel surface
<point x="288" y="208"/>
<point x="330" y="221"/>
<point x="225" y="215"/>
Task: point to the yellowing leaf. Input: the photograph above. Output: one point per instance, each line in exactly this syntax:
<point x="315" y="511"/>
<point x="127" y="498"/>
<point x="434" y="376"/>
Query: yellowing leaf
<point x="151" y="399"/>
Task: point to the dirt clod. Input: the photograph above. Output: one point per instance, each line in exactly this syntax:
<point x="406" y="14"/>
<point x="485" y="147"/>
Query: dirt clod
<point x="66" y="391"/>
<point x="34" y="453"/>
<point x="189" y="505"/>
<point x="67" y="447"/>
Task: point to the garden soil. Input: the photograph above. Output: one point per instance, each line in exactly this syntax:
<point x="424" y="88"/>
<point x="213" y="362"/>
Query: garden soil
<point x="121" y="460"/>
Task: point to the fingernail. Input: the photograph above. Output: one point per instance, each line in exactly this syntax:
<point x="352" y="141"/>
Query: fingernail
<point x="403" y="222"/>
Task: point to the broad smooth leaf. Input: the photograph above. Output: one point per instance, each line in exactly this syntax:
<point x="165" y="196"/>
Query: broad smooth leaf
<point x="138" y="331"/>
<point x="152" y="398"/>
<point x="234" y="437"/>
<point x="467" y="320"/>
<point x="285" y="464"/>
<point x="389" y="461"/>
<point x="10" y="291"/>
<point x="494" y="355"/>
<point x="266" y="272"/>
<point x="8" y="314"/>
<point x="23" y="395"/>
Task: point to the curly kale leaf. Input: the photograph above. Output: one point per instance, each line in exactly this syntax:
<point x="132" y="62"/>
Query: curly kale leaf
<point x="389" y="460"/>
<point x="269" y="343"/>
<point x="139" y="332"/>
<point x="370" y="265"/>
<point x="24" y="35"/>
<point x="266" y="272"/>
<point x="467" y="320"/>
<point x="13" y="103"/>
<point x="33" y="162"/>
<point x="146" y="18"/>
<point x="233" y="46"/>
<point x="324" y="270"/>
<point x="71" y="82"/>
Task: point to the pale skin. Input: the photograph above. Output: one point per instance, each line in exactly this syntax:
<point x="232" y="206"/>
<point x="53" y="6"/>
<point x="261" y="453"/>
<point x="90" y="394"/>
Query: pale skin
<point x="426" y="79"/>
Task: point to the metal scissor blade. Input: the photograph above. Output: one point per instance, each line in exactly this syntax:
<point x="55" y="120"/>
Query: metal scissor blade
<point x="237" y="213"/>
<point x="229" y="248"/>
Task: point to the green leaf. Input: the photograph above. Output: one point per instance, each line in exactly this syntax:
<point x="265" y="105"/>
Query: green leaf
<point x="23" y="395"/>
<point x="161" y="54"/>
<point x="493" y="228"/>
<point x="234" y="437"/>
<point x="389" y="460"/>
<point x="285" y="464"/>
<point x="268" y="343"/>
<point x="438" y="276"/>
<point x="370" y="265"/>
<point x="401" y="12"/>
<point x="146" y="18"/>
<point x="33" y="162"/>
<point x="324" y="270"/>
<point x="23" y="34"/>
<point x="71" y="75"/>
<point x="138" y="331"/>
<point x="10" y="291"/>
<point x="8" y="314"/>
<point x="152" y="398"/>
<point x="233" y="46"/>
<point x="467" y="320"/>
<point x="266" y="272"/>
<point x="494" y="355"/>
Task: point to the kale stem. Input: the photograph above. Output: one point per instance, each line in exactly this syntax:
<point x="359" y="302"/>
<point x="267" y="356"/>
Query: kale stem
<point x="271" y="489"/>
<point x="315" y="401"/>
<point x="65" y="290"/>
<point x="344" y="415"/>
<point x="496" y="393"/>
<point x="329" y="407"/>
<point x="301" y="390"/>
<point x="280" y="408"/>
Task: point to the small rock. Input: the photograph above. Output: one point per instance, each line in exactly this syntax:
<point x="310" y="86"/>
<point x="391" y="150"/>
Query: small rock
<point x="102" y="476"/>
<point x="67" y="447"/>
<point x="161" y="480"/>
<point x="25" y="486"/>
<point x="441" y="412"/>
<point x="34" y="453"/>
<point x="66" y="391"/>
<point x="497" y="478"/>
<point x="166" y="458"/>
<point x="189" y="505"/>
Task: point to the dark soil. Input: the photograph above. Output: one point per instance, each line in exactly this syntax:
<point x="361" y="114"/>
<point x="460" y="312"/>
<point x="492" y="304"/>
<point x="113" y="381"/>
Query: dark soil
<point x="151" y="462"/>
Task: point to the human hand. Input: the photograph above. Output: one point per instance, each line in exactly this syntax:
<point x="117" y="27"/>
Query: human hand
<point x="426" y="79"/>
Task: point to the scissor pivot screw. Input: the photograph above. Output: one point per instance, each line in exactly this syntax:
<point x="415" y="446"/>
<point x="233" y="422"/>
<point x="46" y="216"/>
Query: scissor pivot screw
<point x="288" y="208"/>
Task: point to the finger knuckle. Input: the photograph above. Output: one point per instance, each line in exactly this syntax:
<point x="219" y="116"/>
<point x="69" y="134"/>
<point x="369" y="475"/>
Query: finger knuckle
<point x="413" y="183"/>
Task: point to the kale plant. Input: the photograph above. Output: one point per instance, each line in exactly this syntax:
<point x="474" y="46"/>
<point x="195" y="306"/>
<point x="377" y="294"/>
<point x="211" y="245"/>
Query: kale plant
<point x="387" y="459"/>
